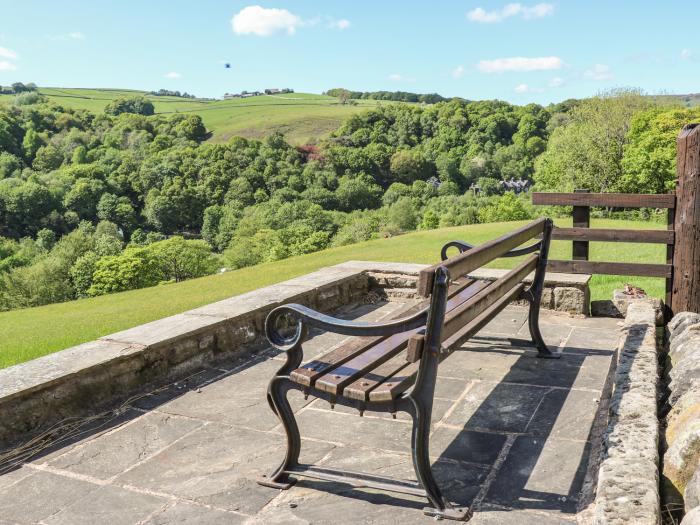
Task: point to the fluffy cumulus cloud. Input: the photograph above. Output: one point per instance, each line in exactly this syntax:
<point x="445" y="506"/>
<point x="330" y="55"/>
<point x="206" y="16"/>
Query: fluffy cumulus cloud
<point x="500" y="65"/>
<point x="172" y="74"/>
<point x="483" y="16"/>
<point x="599" y="72"/>
<point x="259" y="21"/>
<point x="458" y="72"/>
<point x="339" y="24"/>
<point x="6" y="65"/>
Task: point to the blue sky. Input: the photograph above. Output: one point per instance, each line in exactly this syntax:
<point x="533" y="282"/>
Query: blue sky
<point x="521" y="52"/>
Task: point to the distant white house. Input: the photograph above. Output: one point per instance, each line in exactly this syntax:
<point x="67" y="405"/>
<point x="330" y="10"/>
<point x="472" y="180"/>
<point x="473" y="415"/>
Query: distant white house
<point x="248" y="94"/>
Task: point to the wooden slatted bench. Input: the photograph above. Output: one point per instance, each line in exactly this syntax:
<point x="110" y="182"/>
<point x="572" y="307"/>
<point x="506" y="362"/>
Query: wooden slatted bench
<point x="392" y="366"/>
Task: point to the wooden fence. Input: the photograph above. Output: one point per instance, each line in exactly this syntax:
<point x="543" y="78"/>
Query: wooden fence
<point x="581" y="233"/>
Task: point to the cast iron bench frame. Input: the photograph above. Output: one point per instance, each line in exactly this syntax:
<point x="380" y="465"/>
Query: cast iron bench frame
<point x="429" y="336"/>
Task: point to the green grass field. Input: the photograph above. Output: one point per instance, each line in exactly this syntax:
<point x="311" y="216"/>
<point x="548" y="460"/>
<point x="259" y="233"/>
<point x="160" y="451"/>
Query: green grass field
<point x="26" y="334"/>
<point x="303" y="118"/>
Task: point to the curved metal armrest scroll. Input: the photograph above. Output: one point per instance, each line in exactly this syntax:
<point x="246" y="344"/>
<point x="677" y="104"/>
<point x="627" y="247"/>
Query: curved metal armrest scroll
<point x="305" y="317"/>
<point x="465" y="246"/>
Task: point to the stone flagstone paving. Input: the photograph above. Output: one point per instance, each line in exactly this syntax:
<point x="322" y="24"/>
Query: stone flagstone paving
<point x="512" y="436"/>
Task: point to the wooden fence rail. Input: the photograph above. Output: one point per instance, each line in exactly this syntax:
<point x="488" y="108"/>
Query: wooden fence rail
<point x="581" y="234"/>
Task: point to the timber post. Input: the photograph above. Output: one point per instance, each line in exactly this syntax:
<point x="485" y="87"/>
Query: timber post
<point x="686" y="257"/>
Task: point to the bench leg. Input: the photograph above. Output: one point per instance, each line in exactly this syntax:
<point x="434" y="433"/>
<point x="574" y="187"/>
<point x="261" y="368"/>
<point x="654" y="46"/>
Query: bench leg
<point x="277" y="391"/>
<point x="441" y="508"/>
<point x="533" y="322"/>
<point x="534" y="296"/>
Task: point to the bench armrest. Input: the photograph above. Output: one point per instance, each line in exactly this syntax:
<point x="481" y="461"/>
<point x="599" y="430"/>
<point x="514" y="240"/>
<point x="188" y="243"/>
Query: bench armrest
<point x="463" y="246"/>
<point x="305" y="317"/>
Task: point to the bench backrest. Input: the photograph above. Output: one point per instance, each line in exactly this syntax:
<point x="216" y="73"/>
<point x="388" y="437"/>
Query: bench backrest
<point x="473" y="258"/>
<point x="450" y="328"/>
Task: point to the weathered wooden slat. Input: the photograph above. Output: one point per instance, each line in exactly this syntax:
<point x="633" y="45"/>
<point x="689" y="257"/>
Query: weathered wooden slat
<point x="466" y="312"/>
<point x="402" y="379"/>
<point x="468" y="261"/>
<point x="307" y="374"/>
<point x="463" y="314"/>
<point x="613" y="235"/>
<point x="361" y="388"/>
<point x="338" y="378"/>
<point x="610" y="268"/>
<point x="607" y="200"/>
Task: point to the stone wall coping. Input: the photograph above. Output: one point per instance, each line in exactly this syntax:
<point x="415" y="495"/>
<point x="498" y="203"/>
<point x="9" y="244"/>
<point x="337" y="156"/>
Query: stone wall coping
<point x="47" y="370"/>
<point x="628" y="479"/>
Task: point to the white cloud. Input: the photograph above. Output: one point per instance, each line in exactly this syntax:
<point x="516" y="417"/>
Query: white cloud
<point x="73" y="35"/>
<point x="256" y="20"/>
<point x="458" y="72"/>
<point x="172" y="74"/>
<point x="524" y="88"/>
<point x="339" y="24"/>
<point x="395" y="77"/>
<point x="7" y="66"/>
<point x="687" y="54"/>
<point x="499" y="65"/>
<point x="598" y="72"/>
<point x="7" y="53"/>
<point x="527" y="12"/>
<point x="557" y="82"/>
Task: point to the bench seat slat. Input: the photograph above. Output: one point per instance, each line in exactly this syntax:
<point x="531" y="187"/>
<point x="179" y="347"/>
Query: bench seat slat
<point x="335" y="380"/>
<point x="361" y="388"/>
<point x="392" y="386"/>
<point x="350" y="348"/>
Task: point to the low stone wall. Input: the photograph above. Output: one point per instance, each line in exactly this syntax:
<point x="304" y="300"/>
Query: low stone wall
<point x="628" y="479"/>
<point x="100" y="374"/>
<point x="563" y="292"/>
<point x="681" y="474"/>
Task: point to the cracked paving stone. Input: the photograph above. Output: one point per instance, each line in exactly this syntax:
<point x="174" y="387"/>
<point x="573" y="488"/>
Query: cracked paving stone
<point x="218" y="465"/>
<point x="112" y="454"/>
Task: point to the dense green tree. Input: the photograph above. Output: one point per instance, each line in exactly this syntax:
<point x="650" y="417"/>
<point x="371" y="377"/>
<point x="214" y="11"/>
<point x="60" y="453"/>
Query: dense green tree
<point x="649" y="160"/>
<point x="138" y="104"/>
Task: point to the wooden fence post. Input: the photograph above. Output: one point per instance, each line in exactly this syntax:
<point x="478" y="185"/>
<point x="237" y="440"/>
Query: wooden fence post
<point x="582" y="219"/>
<point x="686" y="257"/>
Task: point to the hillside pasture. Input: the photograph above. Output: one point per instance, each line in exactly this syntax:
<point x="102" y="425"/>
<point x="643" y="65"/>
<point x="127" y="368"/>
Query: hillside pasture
<point x="302" y="117"/>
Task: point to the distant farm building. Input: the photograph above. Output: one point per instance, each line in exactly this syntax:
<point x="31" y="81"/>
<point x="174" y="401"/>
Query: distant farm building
<point x="248" y="94"/>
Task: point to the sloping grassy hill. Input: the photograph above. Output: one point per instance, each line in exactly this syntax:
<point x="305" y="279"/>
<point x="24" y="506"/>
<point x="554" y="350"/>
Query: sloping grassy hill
<point x="302" y="117"/>
<point x="26" y="334"/>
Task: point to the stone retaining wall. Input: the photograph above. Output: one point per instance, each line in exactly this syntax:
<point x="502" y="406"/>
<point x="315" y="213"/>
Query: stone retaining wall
<point x="628" y="479"/>
<point x="681" y="474"/>
<point x="100" y="374"/>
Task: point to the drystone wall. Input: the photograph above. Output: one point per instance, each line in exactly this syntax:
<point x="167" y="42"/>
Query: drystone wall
<point x="681" y="475"/>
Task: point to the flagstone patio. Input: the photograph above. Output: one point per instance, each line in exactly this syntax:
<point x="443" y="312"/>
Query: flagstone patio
<point x="513" y="436"/>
